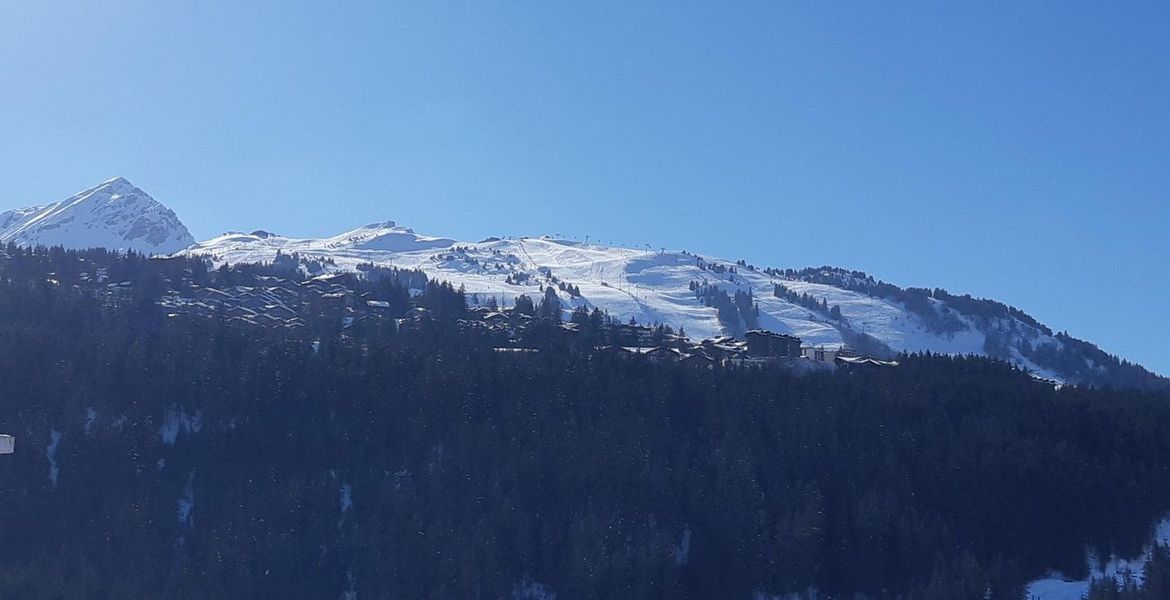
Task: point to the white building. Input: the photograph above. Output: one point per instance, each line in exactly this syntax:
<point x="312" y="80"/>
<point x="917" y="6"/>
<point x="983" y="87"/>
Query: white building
<point x="820" y="354"/>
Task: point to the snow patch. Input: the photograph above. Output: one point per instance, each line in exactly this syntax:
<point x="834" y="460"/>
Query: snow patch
<point x="51" y="454"/>
<point x="346" y="497"/>
<point x="187" y="502"/>
<point x="351" y="592"/>
<point x="531" y="590"/>
<point x="683" y="552"/>
<point x="179" y="421"/>
<point x="1057" y="587"/>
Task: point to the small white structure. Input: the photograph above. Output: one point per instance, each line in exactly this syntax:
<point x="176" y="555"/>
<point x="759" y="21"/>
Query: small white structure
<point x="7" y="444"/>
<point x="822" y="354"/>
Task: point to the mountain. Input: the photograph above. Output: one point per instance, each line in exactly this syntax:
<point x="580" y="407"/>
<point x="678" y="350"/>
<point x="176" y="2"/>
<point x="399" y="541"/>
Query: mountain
<point x="180" y="448"/>
<point x="706" y="296"/>
<point x="702" y="295"/>
<point x="113" y="214"/>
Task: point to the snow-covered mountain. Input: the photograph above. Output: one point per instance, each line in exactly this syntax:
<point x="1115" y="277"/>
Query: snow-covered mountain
<point x="705" y="296"/>
<point x="702" y="295"/>
<point x="113" y="214"/>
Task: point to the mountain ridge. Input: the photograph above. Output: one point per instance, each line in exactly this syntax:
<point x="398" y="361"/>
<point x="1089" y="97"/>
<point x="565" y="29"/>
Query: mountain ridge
<point x="112" y="214"/>
<point x="701" y="295"/>
<point x="709" y="297"/>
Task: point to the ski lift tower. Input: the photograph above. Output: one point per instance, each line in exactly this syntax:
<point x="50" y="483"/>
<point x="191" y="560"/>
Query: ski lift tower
<point x="7" y="444"/>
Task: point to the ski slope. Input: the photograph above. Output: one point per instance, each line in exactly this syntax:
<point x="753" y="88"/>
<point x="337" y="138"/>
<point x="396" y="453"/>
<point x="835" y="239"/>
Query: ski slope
<point x="647" y="286"/>
<point x="629" y="283"/>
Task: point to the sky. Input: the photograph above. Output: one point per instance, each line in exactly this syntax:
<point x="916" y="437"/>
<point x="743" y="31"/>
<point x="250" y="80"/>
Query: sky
<point x="1016" y="150"/>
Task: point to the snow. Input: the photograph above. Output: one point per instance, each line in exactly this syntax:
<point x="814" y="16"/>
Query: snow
<point x="531" y="590"/>
<point x="187" y="502"/>
<point x="350" y="592"/>
<point x="811" y="594"/>
<point x="113" y="214"/>
<point x="646" y="285"/>
<point x="179" y="421"/>
<point x="683" y="552"/>
<point x="1057" y="587"/>
<point x="51" y="454"/>
<point x="640" y="283"/>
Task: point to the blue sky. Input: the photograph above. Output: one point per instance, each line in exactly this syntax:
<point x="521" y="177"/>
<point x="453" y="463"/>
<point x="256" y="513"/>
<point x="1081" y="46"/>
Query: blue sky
<point x="1014" y="150"/>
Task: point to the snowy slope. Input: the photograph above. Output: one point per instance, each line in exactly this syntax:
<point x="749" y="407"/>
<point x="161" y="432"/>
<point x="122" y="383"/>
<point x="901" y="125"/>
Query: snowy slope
<point x="648" y="286"/>
<point x="113" y="214"/>
<point x="1058" y="587"/>
<point x="824" y="307"/>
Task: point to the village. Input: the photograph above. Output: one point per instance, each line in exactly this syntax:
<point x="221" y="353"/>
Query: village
<point x="284" y="304"/>
<point x="331" y="302"/>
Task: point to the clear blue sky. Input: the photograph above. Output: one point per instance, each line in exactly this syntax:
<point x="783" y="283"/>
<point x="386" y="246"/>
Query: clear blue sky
<point x="1017" y="150"/>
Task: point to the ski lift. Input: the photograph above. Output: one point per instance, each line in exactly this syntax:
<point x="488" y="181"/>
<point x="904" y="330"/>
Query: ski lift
<point x="7" y="444"/>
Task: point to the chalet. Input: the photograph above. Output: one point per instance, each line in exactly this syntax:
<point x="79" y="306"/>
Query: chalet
<point x="653" y="353"/>
<point x="864" y="362"/>
<point x="721" y="349"/>
<point x="251" y="301"/>
<point x="419" y="313"/>
<point x="752" y="361"/>
<point x="211" y="295"/>
<point x="328" y="279"/>
<point x="496" y="320"/>
<point x="267" y="319"/>
<point x="378" y="306"/>
<point x="332" y="304"/>
<point x="286" y="295"/>
<point x="697" y="358"/>
<point x="280" y="311"/>
<point x="239" y="311"/>
<point x="629" y="334"/>
<point x="277" y="283"/>
<point x="673" y="340"/>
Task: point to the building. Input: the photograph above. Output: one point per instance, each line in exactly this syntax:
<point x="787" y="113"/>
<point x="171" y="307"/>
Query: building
<point x="864" y="362"/>
<point x="820" y="354"/>
<point x="768" y="344"/>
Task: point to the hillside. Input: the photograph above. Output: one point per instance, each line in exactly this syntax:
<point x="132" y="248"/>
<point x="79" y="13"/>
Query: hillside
<point x="165" y="453"/>
<point x="706" y="296"/>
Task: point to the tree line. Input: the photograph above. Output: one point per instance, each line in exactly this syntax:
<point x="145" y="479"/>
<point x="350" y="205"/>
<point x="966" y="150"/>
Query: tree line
<point x="197" y="460"/>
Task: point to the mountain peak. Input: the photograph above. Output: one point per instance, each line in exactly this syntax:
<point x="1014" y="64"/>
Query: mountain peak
<point x="112" y="214"/>
<point x="119" y="180"/>
<point x="115" y="185"/>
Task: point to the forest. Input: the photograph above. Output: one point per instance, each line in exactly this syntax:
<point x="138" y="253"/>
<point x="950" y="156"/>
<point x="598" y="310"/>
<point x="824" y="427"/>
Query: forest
<point x="176" y="456"/>
<point x="943" y="312"/>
